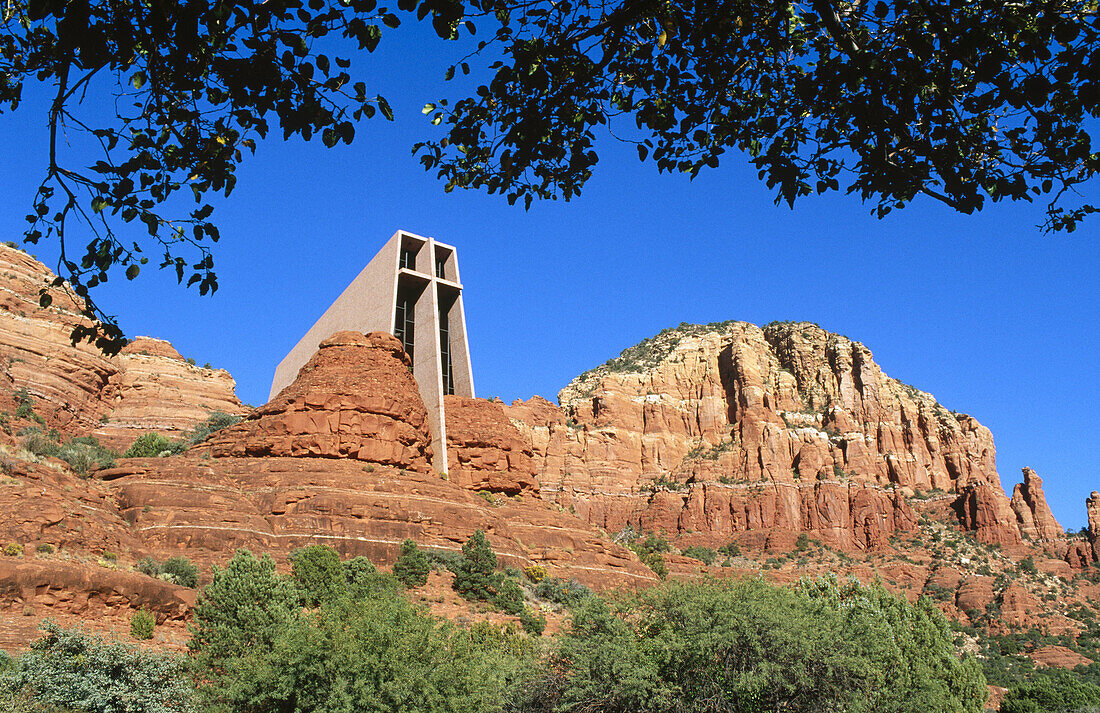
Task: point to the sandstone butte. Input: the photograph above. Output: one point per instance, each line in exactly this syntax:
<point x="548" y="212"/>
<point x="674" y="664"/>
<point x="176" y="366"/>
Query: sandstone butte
<point x="714" y="434"/>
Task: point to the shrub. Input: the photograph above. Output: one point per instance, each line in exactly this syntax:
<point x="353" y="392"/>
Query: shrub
<point x="412" y="566"/>
<point x="216" y="421"/>
<point x="13" y="549"/>
<point x="649" y="551"/>
<point x="566" y="592"/>
<point x="71" y="669"/>
<point x="83" y="453"/>
<point x="533" y="623"/>
<point x="364" y="580"/>
<point x="181" y="571"/>
<point x="802" y="543"/>
<point x="704" y="554"/>
<point x="377" y="654"/>
<point x="44" y="548"/>
<point x="243" y="610"/>
<point x="153" y="445"/>
<point x="752" y="646"/>
<point x="142" y="624"/>
<point x="474" y="571"/>
<point x="536" y="573"/>
<point x="319" y="574"/>
<point x="730" y="550"/>
<point x="1052" y="691"/>
<point x="1027" y="565"/>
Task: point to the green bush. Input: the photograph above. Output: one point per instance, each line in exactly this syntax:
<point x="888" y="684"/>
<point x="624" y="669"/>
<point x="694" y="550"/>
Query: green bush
<point x="154" y="445"/>
<point x="216" y="421"/>
<point x="650" y="551"/>
<point x="567" y="592"/>
<point x="13" y="549"/>
<point x="181" y="570"/>
<point x="412" y="565"/>
<point x="178" y="570"/>
<point x="802" y="543"/>
<point x="319" y="574"/>
<point x="257" y="651"/>
<point x="83" y="453"/>
<point x="532" y="622"/>
<point x="1052" y="691"/>
<point x="755" y="647"/>
<point x="704" y="554"/>
<point x="243" y="610"/>
<point x="142" y="624"/>
<point x="730" y="550"/>
<point x="70" y="669"/>
<point x="474" y="572"/>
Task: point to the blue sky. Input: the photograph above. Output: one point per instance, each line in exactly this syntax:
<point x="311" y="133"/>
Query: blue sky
<point x="991" y="316"/>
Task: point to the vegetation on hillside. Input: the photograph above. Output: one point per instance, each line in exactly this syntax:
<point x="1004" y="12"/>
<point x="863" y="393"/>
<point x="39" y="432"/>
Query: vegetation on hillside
<point x="335" y="636"/>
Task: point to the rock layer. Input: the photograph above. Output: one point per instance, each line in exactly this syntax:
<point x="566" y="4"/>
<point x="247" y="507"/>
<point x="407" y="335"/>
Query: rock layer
<point x="76" y="389"/>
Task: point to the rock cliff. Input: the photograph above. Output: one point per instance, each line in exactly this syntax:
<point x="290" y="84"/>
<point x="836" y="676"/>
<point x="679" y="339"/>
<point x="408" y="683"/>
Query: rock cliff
<point x="147" y="387"/>
<point x="732" y="428"/>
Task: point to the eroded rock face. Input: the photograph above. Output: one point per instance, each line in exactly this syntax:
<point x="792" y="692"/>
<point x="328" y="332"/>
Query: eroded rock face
<point x="1035" y="519"/>
<point x="76" y="389"/>
<point x="654" y="435"/>
<point x="209" y="508"/>
<point x="984" y="510"/>
<point x="485" y="450"/>
<point x="155" y="389"/>
<point x="355" y="398"/>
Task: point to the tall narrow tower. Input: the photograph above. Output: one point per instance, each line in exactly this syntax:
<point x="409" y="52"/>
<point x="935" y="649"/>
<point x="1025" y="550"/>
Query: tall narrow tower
<point x="410" y="289"/>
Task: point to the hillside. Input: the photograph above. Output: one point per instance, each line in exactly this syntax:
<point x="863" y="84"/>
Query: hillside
<point x="718" y="450"/>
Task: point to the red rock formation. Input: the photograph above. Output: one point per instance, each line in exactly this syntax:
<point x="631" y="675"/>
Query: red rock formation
<point x="984" y="510"/>
<point x="355" y="398"/>
<point x="485" y="450"/>
<point x="1035" y="519"/>
<point x="732" y="404"/>
<point x="156" y="389"/>
<point x="1093" y="505"/>
<point x="1058" y="657"/>
<point x="1081" y="554"/>
<point x="79" y="391"/>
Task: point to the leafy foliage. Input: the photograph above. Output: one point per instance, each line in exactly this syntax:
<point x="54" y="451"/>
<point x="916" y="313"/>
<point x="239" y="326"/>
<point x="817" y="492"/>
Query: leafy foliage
<point x="1055" y="691"/>
<point x="72" y="669"/>
<point x="194" y="87"/>
<point x="751" y="646"/>
<point x="362" y="647"/>
<point x="242" y="610"/>
<point x="412" y="566"/>
<point x="319" y="574"/>
<point x="706" y="555"/>
<point x="178" y="570"/>
<point x="566" y="592"/>
<point x="83" y="453"/>
<point x="959" y="102"/>
<point x="474" y="573"/>
<point x="153" y="445"/>
<point x="216" y="421"/>
<point x="142" y="624"/>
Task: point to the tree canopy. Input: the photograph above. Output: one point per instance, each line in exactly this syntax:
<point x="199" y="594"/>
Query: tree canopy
<point x="965" y="103"/>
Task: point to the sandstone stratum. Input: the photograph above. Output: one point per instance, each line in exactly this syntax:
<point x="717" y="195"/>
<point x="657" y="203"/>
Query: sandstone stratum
<point x="782" y="451"/>
<point x="147" y="387"/>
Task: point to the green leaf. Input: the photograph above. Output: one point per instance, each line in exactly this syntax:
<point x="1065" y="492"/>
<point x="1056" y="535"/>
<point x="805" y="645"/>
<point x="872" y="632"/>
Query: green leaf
<point x="132" y="272"/>
<point x="428" y="108"/>
<point x="138" y="80"/>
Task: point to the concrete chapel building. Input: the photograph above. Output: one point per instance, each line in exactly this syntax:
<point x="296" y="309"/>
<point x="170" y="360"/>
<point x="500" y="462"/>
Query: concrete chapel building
<point x="412" y="290"/>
